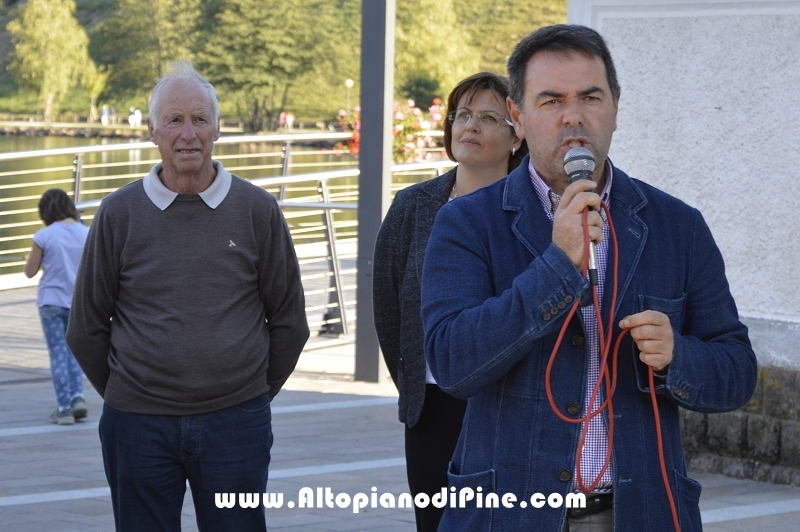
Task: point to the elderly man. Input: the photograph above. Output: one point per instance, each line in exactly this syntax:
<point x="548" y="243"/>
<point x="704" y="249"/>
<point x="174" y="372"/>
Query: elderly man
<point x="188" y="318"/>
<point x="502" y="275"/>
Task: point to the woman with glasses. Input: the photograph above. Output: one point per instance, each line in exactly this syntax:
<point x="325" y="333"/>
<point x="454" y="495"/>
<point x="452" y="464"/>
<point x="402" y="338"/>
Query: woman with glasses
<point x="479" y="136"/>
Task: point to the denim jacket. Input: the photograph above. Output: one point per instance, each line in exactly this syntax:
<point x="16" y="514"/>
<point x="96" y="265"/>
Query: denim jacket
<point x="491" y="280"/>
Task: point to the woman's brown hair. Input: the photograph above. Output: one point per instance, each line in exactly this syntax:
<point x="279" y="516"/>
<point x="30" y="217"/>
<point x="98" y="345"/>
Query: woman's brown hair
<point x="469" y="87"/>
<point x="55" y="206"/>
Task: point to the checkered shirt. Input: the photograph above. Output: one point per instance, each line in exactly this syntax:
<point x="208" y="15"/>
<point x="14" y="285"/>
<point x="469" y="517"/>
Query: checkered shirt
<point x="594" y="451"/>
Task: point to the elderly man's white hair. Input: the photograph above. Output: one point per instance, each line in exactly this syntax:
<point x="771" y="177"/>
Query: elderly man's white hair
<point x="181" y="70"/>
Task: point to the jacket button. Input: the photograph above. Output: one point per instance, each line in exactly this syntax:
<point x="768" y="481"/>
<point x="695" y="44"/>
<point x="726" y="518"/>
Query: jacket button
<point x="546" y="316"/>
<point x="553" y="310"/>
<point x="562" y="305"/>
<point x="564" y="475"/>
<point x="577" y="341"/>
<point x="574" y="408"/>
<point x="568" y="298"/>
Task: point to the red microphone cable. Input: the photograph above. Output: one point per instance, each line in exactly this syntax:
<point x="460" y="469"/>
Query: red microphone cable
<point x="605" y="337"/>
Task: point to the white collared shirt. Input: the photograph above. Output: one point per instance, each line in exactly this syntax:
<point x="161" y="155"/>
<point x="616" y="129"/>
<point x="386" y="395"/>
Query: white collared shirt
<point x="162" y="197"/>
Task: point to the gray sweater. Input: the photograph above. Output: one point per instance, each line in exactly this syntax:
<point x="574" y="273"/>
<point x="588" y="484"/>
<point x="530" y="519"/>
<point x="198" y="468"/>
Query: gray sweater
<point x="191" y="309"/>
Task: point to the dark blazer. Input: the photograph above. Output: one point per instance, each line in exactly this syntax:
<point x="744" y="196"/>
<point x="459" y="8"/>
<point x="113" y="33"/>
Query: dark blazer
<point x="495" y="294"/>
<point x="396" y="285"/>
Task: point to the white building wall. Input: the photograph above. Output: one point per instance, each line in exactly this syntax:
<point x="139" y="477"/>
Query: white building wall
<point x="710" y="112"/>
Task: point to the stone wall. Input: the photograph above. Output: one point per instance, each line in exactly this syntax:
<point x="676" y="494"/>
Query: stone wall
<point x="760" y="441"/>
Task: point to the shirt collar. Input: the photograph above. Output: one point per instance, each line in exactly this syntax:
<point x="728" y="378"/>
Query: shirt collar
<point x="550" y="199"/>
<point x="162" y="197"/>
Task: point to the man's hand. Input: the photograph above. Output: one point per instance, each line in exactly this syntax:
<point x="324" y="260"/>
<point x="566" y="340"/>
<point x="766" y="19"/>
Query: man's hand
<point x="652" y="333"/>
<point x="568" y="224"/>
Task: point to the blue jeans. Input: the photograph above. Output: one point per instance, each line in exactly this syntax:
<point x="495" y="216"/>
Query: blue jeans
<point x="64" y="369"/>
<point x="148" y="460"/>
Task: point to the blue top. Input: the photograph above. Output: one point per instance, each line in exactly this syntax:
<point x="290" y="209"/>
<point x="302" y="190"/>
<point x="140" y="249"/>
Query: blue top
<point x="62" y="246"/>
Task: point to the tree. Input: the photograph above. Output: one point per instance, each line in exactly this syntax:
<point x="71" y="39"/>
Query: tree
<point x="95" y="80"/>
<point x="258" y="50"/>
<point x="494" y="28"/>
<point x="432" y="53"/>
<point x="50" y="50"/>
<point x="142" y="39"/>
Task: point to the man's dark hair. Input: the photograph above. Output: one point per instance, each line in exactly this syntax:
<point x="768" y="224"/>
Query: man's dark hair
<point x="55" y="206"/>
<point x="563" y="38"/>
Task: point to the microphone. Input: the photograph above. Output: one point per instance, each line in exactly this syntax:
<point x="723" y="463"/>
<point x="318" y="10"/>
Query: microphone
<point x="579" y="164"/>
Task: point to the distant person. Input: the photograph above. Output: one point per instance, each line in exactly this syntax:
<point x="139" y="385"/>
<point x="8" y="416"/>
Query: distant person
<point x="478" y="135"/>
<point x="105" y="114"/>
<point x="189" y="316"/>
<point x="58" y="248"/>
<point x="290" y="121"/>
<point x="137" y="117"/>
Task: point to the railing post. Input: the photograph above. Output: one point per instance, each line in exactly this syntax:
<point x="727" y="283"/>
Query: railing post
<point x="335" y="317"/>
<point x="77" y="169"/>
<point x="286" y="157"/>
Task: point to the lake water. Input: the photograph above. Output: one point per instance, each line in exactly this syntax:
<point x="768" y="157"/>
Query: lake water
<point x="140" y="160"/>
<point x="14" y="143"/>
<point x="22" y="181"/>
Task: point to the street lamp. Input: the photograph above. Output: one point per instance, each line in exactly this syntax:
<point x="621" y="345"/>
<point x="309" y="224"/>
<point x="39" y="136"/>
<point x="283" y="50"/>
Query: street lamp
<point x="349" y="84"/>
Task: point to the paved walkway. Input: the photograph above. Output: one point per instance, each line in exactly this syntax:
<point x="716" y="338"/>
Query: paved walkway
<point x="329" y="432"/>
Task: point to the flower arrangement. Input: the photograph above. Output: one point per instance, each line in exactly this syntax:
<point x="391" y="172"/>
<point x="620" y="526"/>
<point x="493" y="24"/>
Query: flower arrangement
<point x="350" y="122"/>
<point x="411" y="140"/>
<point x="409" y="133"/>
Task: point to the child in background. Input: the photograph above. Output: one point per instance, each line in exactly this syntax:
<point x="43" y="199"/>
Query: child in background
<point x="58" y="248"/>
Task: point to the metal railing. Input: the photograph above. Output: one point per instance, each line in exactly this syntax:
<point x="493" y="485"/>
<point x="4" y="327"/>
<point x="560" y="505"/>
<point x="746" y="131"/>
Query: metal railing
<point x="22" y="182"/>
<point x="318" y="206"/>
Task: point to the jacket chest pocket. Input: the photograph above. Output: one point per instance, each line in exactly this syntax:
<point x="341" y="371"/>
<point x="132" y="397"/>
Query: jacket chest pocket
<point x="672" y="308"/>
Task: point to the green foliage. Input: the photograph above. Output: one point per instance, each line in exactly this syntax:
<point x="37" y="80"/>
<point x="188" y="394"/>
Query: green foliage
<point x="17" y="101"/>
<point x="141" y="39"/>
<point x="432" y="52"/>
<point x="317" y="95"/>
<point x="50" y="50"/>
<point x="266" y="56"/>
<point x="259" y="48"/>
<point x="494" y="28"/>
<point x="421" y="88"/>
<point x="95" y="80"/>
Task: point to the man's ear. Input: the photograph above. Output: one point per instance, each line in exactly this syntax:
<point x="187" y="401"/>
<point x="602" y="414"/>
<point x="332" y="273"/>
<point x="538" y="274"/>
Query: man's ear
<point x="151" y="132"/>
<point x="514" y="112"/>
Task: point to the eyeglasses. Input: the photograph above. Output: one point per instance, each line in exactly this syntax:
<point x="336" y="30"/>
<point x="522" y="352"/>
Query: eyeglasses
<point x="484" y="118"/>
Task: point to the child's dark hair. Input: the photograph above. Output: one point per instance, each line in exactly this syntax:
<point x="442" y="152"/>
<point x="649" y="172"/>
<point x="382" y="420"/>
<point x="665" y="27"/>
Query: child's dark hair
<point x="55" y="205"/>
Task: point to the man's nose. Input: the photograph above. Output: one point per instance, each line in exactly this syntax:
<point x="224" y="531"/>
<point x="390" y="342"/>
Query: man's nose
<point x="573" y="112"/>
<point x="188" y="130"/>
